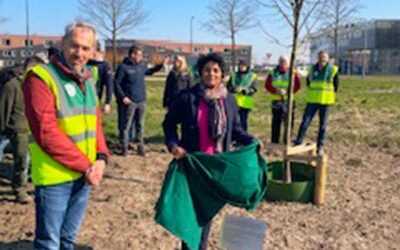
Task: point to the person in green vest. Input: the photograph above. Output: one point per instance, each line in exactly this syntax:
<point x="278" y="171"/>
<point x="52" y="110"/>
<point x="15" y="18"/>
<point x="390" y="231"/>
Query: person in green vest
<point x="323" y="84"/>
<point x="276" y="84"/>
<point x="67" y="145"/>
<point x="243" y="85"/>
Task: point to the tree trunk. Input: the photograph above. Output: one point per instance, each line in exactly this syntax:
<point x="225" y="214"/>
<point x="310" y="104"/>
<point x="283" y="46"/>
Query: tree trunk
<point x="287" y="176"/>
<point x="233" y="51"/>
<point x="114" y="40"/>
<point x="114" y="51"/>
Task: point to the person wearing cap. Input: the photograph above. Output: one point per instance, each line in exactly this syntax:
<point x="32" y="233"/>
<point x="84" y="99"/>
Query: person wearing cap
<point x="276" y="84"/>
<point x="243" y="85"/>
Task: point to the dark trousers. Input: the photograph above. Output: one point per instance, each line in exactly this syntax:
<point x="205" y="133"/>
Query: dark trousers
<point x="131" y="119"/>
<point x="309" y="113"/>
<point x="244" y="116"/>
<point x="204" y="239"/>
<point x="19" y="144"/>
<point x="19" y="147"/>
<point x="279" y="116"/>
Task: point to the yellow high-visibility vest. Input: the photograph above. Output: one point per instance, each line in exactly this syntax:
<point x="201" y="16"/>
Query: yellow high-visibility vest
<point x="279" y="81"/>
<point x="76" y="117"/>
<point x="321" y="89"/>
<point x="244" y="101"/>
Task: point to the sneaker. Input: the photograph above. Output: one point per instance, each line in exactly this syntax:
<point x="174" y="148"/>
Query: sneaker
<point x="22" y="196"/>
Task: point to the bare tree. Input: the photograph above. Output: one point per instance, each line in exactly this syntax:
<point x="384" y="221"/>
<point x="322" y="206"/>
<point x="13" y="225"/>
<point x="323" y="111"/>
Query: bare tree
<point x="337" y="13"/>
<point x="301" y="16"/>
<point x="228" y="18"/>
<point x="113" y="18"/>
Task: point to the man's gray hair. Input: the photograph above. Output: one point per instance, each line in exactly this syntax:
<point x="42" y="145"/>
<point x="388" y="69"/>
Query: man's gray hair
<point x="69" y="29"/>
<point x="283" y="57"/>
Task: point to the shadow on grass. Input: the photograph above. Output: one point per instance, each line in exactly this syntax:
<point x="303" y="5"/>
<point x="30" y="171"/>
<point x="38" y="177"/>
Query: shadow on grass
<point x="28" y="245"/>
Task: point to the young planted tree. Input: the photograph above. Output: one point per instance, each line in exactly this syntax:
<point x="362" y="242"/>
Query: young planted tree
<point x="301" y="16"/>
<point x="113" y="18"/>
<point x="336" y="15"/>
<point x="228" y="18"/>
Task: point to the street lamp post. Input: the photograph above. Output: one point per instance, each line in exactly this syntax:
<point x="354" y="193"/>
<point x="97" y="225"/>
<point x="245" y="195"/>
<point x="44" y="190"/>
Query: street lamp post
<point x="27" y="28"/>
<point x="191" y="34"/>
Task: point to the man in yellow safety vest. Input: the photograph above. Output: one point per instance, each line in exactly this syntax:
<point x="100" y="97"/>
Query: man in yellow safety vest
<point x="243" y="85"/>
<point x="323" y="83"/>
<point x="67" y="146"/>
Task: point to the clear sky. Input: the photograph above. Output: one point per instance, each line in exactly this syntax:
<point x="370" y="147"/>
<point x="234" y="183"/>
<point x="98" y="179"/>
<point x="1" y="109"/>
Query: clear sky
<point x="169" y="19"/>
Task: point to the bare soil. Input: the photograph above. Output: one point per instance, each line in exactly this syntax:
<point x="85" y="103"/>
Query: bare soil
<point x="361" y="210"/>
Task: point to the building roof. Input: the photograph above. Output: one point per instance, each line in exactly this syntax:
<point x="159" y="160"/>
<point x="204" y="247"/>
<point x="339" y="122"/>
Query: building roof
<point x="16" y="40"/>
<point x="183" y="47"/>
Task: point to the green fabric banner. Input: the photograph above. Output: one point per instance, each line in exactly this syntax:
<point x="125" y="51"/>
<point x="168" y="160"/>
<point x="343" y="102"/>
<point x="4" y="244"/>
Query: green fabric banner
<point x="197" y="187"/>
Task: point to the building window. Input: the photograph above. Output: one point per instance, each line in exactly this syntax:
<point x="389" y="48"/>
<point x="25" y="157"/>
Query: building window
<point x="226" y="50"/>
<point x="6" y="42"/>
<point x="244" y="52"/>
<point x="160" y="49"/>
<point x="6" y="53"/>
<point x="28" y="42"/>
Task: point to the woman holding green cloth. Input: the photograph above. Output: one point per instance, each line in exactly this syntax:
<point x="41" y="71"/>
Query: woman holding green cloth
<point x="208" y="116"/>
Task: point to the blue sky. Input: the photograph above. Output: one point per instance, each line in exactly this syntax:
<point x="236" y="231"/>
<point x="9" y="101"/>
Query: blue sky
<point x="168" y="20"/>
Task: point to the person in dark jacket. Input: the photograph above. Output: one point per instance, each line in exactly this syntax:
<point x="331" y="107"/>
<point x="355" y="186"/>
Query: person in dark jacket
<point x="14" y="129"/>
<point x="105" y="80"/>
<point x="130" y="91"/>
<point x="178" y="79"/>
<point x="208" y="116"/>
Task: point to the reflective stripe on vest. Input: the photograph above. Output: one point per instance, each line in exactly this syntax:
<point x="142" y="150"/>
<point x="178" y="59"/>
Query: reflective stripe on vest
<point x="321" y="89"/>
<point x="279" y="81"/>
<point x="244" y="101"/>
<point x="76" y="117"/>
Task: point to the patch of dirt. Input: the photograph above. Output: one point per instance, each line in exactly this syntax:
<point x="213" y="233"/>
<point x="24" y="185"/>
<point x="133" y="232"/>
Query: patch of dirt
<point x="361" y="210"/>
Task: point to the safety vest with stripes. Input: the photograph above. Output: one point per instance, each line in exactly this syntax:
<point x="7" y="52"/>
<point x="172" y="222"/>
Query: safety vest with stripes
<point x="279" y="81"/>
<point x="76" y="117"/>
<point x="242" y="100"/>
<point x="321" y="89"/>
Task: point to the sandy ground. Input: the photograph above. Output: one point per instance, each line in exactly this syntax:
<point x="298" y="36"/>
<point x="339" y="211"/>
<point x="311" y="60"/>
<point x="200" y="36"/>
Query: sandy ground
<point x="361" y="210"/>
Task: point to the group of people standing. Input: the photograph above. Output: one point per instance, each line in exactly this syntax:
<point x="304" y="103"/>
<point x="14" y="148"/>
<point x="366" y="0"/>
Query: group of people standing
<point x="60" y="103"/>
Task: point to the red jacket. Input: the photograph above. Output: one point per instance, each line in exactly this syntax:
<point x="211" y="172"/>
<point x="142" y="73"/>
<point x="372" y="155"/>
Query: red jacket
<point x="273" y="90"/>
<point x="40" y="108"/>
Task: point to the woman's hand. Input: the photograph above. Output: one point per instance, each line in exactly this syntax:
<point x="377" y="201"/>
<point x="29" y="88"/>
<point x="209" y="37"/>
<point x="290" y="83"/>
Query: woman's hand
<point x="178" y="152"/>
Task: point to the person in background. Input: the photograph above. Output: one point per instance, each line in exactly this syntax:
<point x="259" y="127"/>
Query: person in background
<point x="177" y="80"/>
<point x="130" y="92"/>
<point x="322" y="85"/>
<point x="104" y="76"/>
<point x="67" y="145"/>
<point x="276" y="84"/>
<point x="52" y="51"/>
<point x="243" y="84"/>
<point x="208" y="116"/>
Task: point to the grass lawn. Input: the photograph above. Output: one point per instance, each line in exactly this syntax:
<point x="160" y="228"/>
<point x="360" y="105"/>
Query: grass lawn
<point x="367" y="112"/>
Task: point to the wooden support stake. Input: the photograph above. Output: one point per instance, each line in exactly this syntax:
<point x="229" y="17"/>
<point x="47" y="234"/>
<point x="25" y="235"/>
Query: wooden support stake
<point x="300" y="149"/>
<point x="320" y="180"/>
